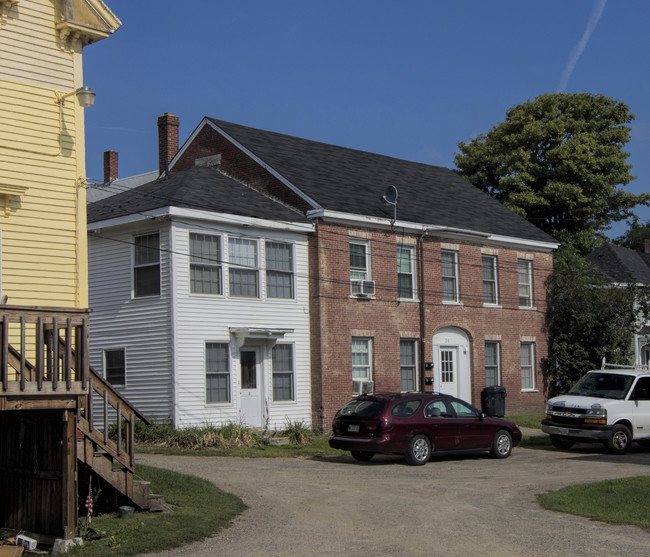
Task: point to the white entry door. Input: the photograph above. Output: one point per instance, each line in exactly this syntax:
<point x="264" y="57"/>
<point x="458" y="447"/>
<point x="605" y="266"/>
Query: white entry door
<point x="448" y="361"/>
<point x="250" y="399"/>
<point x="451" y="363"/>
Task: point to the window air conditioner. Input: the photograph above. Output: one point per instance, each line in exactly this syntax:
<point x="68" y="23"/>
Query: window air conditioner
<point x="362" y="387"/>
<point x="363" y="288"/>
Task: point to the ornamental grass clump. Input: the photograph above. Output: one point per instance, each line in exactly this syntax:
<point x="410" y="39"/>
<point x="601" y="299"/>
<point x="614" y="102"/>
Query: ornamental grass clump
<point x="298" y="432"/>
<point x="228" y="436"/>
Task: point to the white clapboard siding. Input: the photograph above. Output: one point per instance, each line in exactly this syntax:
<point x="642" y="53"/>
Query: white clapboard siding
<point x="203" y="318"/>
<point x="141" y="326"/>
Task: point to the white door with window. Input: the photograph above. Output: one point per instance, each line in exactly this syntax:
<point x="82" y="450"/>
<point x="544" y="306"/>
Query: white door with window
<point x="448" y="363"/>
<point x="451" y="369"/>
<point x="250" y="397"/>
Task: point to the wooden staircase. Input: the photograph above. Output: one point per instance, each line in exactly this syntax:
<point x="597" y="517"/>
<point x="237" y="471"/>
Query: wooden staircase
<point x="113" y="460"/>
<point x="61" y="385"/>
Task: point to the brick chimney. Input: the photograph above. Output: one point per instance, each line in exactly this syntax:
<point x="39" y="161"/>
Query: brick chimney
<point x="110" y="166"/>
<point x="646" y="245"/>
<point x="167" y="140"/>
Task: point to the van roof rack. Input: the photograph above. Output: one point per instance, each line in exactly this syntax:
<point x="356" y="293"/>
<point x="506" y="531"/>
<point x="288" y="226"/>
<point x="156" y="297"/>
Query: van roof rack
<point x="637" y="367"/>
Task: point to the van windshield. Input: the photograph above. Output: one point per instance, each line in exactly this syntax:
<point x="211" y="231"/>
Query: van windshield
<point x="603" y="384"/>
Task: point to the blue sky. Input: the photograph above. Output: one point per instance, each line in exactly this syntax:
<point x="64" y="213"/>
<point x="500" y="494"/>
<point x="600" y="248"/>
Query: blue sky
<point x="408" y="79"/>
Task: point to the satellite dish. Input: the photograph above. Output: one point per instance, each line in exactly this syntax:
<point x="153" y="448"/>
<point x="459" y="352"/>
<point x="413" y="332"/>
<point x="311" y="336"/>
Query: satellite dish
<point x="390" y="195"/>
<point x="390" y="198"/>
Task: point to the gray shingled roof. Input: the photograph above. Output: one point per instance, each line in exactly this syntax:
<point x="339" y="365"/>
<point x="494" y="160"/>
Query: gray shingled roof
<point x="621" y="265"/>
<point x="351" y="181"/>
<point x="195" y="188"/>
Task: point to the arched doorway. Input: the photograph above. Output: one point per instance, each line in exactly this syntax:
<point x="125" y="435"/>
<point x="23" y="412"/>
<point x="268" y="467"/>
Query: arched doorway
<point x="451" y="363"/>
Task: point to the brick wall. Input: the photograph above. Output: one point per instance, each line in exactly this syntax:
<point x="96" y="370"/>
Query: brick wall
<point x="385" y="319"/>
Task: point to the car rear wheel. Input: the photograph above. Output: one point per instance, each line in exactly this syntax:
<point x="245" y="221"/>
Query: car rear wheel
<point x="419" y="450"/>
<point x="502" y="444"/>
<point x="362" y="456"/>
<point x="620" y="440"/>
<point x="560" y="442"/>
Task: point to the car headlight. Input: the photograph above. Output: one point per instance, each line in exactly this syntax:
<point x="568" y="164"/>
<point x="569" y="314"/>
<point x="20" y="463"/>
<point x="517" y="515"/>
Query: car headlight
<point x="596" y="416"/>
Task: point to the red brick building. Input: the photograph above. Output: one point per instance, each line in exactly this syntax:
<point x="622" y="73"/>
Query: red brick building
<point x="418" y="280"/>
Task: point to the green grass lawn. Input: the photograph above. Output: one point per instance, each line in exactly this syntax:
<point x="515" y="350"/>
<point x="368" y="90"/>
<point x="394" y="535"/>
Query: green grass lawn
<point x="198" y="510"/>
<point x="620" y="501"/>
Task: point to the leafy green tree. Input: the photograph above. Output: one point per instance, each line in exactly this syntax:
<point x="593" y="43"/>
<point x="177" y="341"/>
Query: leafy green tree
<point x="559" y="162"/>
<point x="588" y="319"/>
<point x="635" y="236"/>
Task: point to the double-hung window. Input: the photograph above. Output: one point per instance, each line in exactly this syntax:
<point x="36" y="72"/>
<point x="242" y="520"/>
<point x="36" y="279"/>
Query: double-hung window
<point x="525" y="280"/>
<point x="361" y="365"/>
<point x="359" y="259"/>
<point x="527" y="366"/>
<point x="283" y="375"/>
<point x="279" y="270"/>
<point x="243" y="270"/>
<point x="450" y="276"/>
<point x="115" y="366"/>
<point x="146" y="265"/>
<point x="408" y="365"/>
<point x="492" y="364"/>
<point x="217" y="372"/>
<point x="205" y="264"/>
<point x="406" y="272"/>
<point x="490" y="292"/>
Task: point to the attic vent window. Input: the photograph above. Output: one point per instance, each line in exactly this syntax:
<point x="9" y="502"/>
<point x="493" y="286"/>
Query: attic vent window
<point x="208" y="162"/>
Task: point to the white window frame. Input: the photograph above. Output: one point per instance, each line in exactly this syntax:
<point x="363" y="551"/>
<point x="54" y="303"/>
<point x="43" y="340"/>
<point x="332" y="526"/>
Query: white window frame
<point x="412" y="264"/>
<point x="291" y="371"/>
<point x="489" y="263"/>
<point x="453" y="277"/>
<point x="525" y="272"/>
<point x="235" y="267"/>
<point x="496" y="365"/>
<point x="149" y="264"/>
<point x="220" y="372"/>
<point x="360" y="273"/>
<point x="106" y="369"/>
<point x="527" y="368"/>
<point x="287" y="273"/>
<point x="201" y="262"/>
<point x="366" y="366"/>
<point x="411" y="367"/>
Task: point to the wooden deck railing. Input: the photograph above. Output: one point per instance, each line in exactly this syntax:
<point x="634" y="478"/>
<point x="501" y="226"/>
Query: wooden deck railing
<point x="31" y="361"/>
<point x="44" y="363"/>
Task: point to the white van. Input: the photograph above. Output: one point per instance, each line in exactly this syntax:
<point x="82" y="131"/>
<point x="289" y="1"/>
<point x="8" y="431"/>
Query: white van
<point x="608" y="406"/>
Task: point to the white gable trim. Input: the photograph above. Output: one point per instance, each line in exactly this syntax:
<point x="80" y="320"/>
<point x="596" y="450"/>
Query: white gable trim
<point x="252" y="155"/>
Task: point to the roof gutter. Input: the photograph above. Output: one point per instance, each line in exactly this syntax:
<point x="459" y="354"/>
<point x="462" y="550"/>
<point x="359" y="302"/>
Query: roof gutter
<point x="432" y="230"/>
<point x="208" y="216"/>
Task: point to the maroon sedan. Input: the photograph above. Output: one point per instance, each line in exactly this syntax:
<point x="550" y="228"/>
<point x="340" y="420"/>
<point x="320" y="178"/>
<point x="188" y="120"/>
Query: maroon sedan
<point x="416" y="424"/>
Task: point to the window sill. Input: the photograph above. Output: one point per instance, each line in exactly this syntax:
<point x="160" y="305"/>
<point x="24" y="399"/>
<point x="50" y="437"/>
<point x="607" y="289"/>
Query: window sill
<point x="495" y="306"/>
<point x="529" y="390"/>
<point x="449" y="303"/>
<point x="413" y="300"/>
<point x="528" y="308"/>
<point x="362" y="298"/>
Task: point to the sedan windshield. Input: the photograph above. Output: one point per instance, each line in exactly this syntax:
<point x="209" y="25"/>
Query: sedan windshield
<point x="363" y="408"/>
<point x="606" y="385"/>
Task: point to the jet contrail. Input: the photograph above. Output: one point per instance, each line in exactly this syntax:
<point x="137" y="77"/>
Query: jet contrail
<point x="594" y="17"/>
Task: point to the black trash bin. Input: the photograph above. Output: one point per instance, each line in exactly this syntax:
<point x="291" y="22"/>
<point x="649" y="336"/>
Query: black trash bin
<point x="493" y="401"/>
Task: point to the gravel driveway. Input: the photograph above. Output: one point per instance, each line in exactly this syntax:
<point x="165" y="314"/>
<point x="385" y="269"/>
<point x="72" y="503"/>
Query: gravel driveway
<point x="452" y="506"/>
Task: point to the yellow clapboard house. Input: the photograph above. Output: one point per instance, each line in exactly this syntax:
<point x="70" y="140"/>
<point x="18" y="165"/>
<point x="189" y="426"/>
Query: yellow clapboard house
<point x="48" y="392"/>
<point x="42" y="159"/>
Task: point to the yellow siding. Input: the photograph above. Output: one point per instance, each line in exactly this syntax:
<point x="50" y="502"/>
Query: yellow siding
<point x="41" y="153"/>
